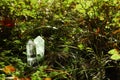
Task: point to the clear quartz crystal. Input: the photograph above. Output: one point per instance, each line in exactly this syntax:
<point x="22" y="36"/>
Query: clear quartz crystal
<point x="31" y="52"/>
<point x="35" y="50"/>
<point x="39" y="42"/>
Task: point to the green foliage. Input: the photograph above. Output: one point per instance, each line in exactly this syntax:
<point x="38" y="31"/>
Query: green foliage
<point x="81" y="46"/>
<point x="78" y="35"/>
<point x="115" y="54"/>
<point x="44" y="72"/>
<point x="39" y="74"/>
<point x="2" y="76"/>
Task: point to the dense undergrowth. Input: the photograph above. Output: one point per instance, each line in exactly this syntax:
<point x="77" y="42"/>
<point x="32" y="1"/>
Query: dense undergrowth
<point x="78" y="36"/>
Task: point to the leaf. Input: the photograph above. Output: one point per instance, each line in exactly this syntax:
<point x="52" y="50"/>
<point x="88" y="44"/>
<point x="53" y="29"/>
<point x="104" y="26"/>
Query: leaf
<point x="102" y="18"/>
<point x="115" y="54"/>
<point x="17" y="42"/>
<point x="115" y="57"/>
<point x="8" y="69"/>
<point x="113" y="51"/>
<point x="47" y="78"/>
<point x="34" y="2"/>
<point x="81" y="46"/>
<point x="16" y="78"/>
<point x="66" y="49"/>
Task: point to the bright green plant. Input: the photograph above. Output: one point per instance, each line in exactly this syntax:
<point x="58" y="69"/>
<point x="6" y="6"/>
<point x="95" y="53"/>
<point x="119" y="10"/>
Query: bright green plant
<point x="44" y="72"/>
<point x="2" y="76"/>
<point x="115" y="54"/>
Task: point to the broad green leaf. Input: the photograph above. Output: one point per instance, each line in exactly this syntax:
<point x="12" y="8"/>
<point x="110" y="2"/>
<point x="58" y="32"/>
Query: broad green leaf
<point x="113" y="51"/>
<point x="115" y="54"/>
<point x="115" y="57"/>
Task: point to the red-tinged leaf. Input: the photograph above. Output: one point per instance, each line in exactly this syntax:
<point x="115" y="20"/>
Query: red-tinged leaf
<point x="47" y="78"/>
<point x="8" y="69"/>
<point x="7" y="22"/>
